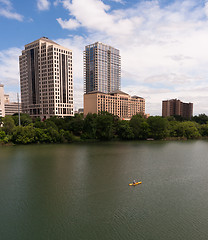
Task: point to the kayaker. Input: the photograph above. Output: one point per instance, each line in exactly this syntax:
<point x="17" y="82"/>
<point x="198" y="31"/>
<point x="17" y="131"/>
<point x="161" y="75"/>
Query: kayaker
<point x="134" y="182"/>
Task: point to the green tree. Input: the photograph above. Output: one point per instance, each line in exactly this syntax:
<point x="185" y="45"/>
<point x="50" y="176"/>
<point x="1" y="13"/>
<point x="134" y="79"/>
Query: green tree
<point x="104" y="126"/>
<point x="204" y="130"/>
<point x="171" y="118"/>
<point x="158" y="127"/>
<point x="58" y="121"/>
<point x="124" y="130"/>
<point x="23" y="135"/>
<point x="41" y="135"/>
<point x="89" y="126"/>
<point x="179" y="118"/>
<point x="173" y="128"/>
<point x="1" y="121"/>
<point x="201" y="118"/>
<point x="139" y="126"/>
<point x="50" y="124"/>
<point x="76" y="124"/>
<point x="3" y="137"/>
<point x="188" y="130"/>
<point x="8" y="124"/>
<point x="54" y="135"/>
<point x="39" y="124"/>
<point x="67" y="136"/>
<point x="25" y="119"/>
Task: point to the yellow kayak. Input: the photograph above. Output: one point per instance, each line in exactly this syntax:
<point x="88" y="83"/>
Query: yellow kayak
<point x="134" y="184"/>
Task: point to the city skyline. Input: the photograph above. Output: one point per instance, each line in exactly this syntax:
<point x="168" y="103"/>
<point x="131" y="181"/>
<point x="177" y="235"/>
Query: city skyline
<point x="162" y="43"/>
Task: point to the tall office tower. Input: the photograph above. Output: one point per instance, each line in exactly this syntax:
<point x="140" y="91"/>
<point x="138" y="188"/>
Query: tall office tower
<point x="102" y="68"/>
<point x="46" y="79"/>
<point x="176" y="107"/>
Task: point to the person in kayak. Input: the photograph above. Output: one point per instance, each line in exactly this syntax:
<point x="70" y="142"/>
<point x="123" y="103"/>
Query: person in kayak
<point x="134" y="182"/>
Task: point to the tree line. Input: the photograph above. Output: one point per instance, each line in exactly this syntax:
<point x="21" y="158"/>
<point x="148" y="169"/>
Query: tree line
<point x="100" y="127"/>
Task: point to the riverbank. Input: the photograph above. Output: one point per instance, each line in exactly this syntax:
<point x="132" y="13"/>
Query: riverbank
<point x="94" y="141"/>
<point x="101" y="127"/>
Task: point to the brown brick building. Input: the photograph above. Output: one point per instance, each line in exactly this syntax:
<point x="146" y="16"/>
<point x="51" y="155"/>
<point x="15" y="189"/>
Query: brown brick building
<point x="176" y="107"/>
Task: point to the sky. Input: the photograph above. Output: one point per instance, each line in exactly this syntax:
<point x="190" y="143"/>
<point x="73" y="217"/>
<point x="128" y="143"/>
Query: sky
<point x="163" y="43"/>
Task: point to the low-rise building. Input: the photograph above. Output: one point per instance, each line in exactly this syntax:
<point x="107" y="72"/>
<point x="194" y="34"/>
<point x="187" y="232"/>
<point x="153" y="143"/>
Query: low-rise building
<point x="117" y="103"/>
<point x="7" y="107"/>
<point x="2" y="110"/>
<point x="12" y="108"/>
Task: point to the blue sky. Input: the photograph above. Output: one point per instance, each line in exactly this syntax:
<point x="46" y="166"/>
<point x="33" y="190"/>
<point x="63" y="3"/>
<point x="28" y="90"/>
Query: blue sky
<point x="163" y="44"/>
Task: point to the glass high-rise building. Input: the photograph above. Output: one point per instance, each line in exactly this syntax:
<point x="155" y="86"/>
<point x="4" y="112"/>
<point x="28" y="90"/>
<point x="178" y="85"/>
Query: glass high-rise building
<point x="46" y="79"/>
<point x="102" y="68"/>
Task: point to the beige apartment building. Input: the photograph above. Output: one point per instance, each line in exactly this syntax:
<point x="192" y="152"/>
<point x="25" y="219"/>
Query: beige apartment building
<point x="117" y="103"/>
<point x="176" y="107"/>
<point x="46" y="79"/>
<point x="11" y="107"/>
<point x="2" y="109"/>
<point x="7" y="107"/>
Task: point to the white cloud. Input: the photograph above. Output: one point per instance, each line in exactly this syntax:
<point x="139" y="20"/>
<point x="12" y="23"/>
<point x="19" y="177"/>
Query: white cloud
<point x="70" y="24"/>
<point x="163" y="49"/>
<point x="43" y="5"/>
<point x="56" y="3"/>
<point x="118" y="1"/>
<point x="6" y="10"/>
<point x="12" y="96"/>
<point x="9" y="69"/>
<point x="97" y="17"/>
<point x="6" y="2"/>
<point x="206" y="8"/>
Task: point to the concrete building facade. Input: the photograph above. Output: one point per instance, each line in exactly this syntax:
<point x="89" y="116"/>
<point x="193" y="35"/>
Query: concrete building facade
<point x="46" y="79"/>
<point x="11" y="107"/>
<point x="2" y="109"/>
<point x="117" y="103"/>
<point x="102" y="68"/>
<point x="7" y="107"/>
<point x="176" y="107"/>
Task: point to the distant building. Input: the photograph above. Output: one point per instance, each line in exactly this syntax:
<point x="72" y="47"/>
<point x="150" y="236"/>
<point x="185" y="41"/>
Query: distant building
<point x="6" y="98"/>
<point x="80" y="110"/>
<point x="176" y="107"/>
<point x="11" y="107"/>
<point x="102" y="68"/>
<point x="2" y="109"/>
<point x="46" y="79"/>
<point x="7" y="107"/>
<point x="117" y="103"/>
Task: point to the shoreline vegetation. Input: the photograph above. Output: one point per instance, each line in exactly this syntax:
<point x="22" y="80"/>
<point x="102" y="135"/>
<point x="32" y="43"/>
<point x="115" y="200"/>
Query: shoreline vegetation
<point x="100" y="127"/>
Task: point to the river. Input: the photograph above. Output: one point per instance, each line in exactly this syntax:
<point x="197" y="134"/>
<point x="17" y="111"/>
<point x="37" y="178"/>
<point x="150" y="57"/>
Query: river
<point x="81" y="192"/>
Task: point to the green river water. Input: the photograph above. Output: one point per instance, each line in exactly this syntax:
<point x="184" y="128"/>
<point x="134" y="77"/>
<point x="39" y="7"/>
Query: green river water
<point x="81" y="192"/>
